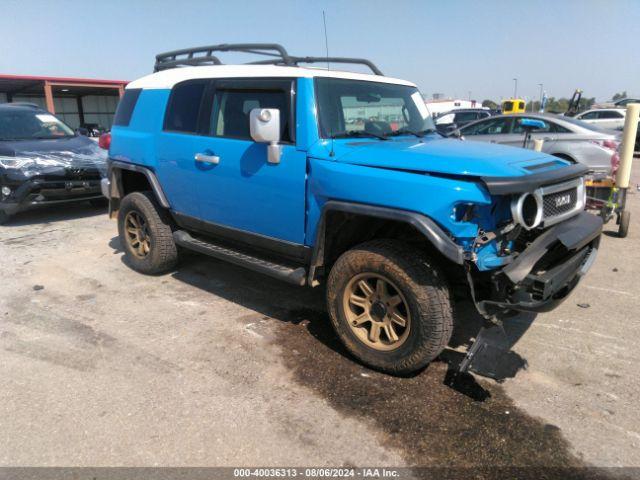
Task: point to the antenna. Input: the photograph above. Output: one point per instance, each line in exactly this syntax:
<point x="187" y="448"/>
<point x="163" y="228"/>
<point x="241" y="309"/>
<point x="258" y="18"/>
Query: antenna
<point x="326" y="46"/>
<point x="326" y="41"/>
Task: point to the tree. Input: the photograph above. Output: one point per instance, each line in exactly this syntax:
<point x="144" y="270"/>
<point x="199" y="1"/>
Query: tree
<point x="490" y="104"/>
<point x="620" y="95"/>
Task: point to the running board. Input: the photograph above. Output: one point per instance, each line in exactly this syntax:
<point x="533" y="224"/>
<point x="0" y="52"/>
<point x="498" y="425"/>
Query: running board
<point x="297" y="276"/>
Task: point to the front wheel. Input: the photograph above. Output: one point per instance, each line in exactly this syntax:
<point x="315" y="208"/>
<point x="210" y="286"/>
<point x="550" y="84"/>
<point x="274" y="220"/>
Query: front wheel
<point x="390" y="306"/>
<point x="145" y="234"/>
<point x="4" y="217"/>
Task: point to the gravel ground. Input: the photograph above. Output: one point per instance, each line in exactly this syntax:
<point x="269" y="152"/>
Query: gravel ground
<point x="214" y="365"/>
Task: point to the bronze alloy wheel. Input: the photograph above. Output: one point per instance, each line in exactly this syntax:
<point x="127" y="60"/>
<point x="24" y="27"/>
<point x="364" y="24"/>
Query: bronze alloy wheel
<point x="137" y="234"/>
<point x="376" y="311"/>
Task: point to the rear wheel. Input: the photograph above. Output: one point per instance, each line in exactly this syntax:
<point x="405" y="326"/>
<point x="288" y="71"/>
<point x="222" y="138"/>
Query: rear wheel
<point x="390" y="306"/>
<point x="146" y="235"/>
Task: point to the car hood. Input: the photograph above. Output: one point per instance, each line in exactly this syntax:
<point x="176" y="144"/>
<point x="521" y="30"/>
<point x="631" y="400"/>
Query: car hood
<point x="440" y="156"/>
<point x="32" y="157"/>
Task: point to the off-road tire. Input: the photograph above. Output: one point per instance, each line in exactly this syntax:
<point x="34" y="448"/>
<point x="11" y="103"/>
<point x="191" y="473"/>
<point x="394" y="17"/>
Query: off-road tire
<point x="623" y="227"/>
<point x="163" y="254"/>
<point x="427" y="296"/>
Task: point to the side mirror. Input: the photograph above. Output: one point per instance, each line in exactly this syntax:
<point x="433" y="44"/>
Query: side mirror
<point x="264" y="125"/>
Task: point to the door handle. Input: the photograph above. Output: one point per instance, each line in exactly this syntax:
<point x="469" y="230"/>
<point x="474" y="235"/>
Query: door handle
<point x="204" y="158"/>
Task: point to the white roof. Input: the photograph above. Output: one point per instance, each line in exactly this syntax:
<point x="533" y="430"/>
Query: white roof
<point x="166" y="79"/>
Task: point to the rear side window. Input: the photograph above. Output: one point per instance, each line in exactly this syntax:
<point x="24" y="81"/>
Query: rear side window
<point x="183" y="111"/>
<point x="126" y="106"/>
<point x="610" y="114"/>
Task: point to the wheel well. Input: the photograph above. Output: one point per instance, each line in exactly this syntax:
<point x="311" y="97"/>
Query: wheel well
<point x="134" y="182"/>
<point x="345" y="230"/>
<point x="126" y="182"/>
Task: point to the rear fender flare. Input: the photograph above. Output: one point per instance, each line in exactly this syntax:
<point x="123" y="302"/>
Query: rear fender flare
<point x="115" y="177"/>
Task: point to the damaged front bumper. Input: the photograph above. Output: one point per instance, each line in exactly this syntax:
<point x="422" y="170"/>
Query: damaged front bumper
<point x="543" y="274"/>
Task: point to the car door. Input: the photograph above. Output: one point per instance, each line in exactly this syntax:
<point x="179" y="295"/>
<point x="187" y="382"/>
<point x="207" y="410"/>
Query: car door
<point x="177" y="171"/>
<point x="610" y="119"/>
<point x="240" y="191"/>
<point x="548" y="133"/>
<point x="591" y="117"/>
<point x="493" y="130"/>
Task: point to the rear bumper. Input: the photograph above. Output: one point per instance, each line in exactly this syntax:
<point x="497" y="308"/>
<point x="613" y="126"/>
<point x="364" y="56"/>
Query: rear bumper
<point x="37" y="192"/>
<point x="548" y="270"/>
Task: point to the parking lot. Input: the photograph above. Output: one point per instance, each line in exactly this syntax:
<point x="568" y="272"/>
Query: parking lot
<point x="216" y="365"/>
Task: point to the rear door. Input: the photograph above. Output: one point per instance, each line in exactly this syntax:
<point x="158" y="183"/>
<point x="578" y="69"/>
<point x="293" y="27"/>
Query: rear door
<point x="548" y="133"/>
<point x="177" y="170"/>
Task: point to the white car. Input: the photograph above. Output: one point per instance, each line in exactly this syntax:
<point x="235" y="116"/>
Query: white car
<point x="608" y="118"/>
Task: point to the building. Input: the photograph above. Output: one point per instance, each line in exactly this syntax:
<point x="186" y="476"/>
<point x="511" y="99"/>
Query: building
<point x="441" y="105"/>
<point x="89" y="103"/>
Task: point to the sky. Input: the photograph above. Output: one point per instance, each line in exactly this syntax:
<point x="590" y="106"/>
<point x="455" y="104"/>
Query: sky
<point x="457" y="47"/>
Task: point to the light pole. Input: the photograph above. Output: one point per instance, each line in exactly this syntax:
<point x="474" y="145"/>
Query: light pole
<point x="541" y="87"/>
<point x="515" y="88"/>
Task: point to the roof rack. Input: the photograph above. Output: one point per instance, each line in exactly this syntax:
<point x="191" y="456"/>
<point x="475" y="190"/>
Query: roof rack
<point x="279" y="56"/>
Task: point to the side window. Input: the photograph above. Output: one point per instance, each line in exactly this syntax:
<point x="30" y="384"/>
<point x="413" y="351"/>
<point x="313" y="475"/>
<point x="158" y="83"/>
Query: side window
<point x="463" y="117"/>
<point x="126" y="105"/>
<point x="521" y="105"/>
<point x="231" y="108"/>
<point x="589" y="116"/>
<point x="491" y="126"/>
<point x="610" y="114"/>
<point x="555" y="128"/>
<point x="184" y="107"/>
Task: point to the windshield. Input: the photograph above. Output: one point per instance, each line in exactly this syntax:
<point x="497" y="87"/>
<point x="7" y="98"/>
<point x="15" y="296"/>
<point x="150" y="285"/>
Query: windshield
<point x="350" y="108"/>
<point x="22" y="124"/>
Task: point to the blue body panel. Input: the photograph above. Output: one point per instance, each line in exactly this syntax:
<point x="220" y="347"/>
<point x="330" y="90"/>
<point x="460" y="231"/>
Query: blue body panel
<point x="432" y="176"/>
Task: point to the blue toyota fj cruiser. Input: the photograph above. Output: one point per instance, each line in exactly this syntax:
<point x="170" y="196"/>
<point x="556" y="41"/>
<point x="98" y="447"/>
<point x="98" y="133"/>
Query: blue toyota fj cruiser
<point x="318" y="176"/>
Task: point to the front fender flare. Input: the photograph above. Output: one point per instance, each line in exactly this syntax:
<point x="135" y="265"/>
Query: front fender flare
<point x="423" y="224"/>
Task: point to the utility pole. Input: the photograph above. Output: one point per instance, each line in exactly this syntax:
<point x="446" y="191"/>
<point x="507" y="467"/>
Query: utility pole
<point x="515" y="88"/>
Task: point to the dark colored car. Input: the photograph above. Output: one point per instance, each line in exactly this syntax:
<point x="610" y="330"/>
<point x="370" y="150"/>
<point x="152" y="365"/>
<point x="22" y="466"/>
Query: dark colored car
<point x="42" y="161"/>
<point x="450" y="121"/>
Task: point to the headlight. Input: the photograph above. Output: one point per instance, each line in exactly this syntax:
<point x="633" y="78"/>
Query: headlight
<point x="15" y="162"/>
<point x="527" y="210"/>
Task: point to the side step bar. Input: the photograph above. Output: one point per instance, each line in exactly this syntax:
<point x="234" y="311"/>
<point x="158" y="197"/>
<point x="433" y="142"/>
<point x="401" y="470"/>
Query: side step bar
<point x="297" y="276"/>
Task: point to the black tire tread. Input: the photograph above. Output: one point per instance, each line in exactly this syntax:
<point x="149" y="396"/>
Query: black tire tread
<point x="164" y="255"/>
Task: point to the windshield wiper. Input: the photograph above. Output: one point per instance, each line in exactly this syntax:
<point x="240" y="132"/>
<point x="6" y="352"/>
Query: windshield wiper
<point x="360" y="134"/>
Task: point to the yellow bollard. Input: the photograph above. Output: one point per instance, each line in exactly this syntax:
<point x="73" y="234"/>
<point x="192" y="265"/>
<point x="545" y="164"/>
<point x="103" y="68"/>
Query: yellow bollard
<point x="628" y="143"/>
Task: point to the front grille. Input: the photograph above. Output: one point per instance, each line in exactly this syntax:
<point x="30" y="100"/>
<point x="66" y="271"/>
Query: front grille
<point x="82" y="173"/>
<point x="557" y="203"/>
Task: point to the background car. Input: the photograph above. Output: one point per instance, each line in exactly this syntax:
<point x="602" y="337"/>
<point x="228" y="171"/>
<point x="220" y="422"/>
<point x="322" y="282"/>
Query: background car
<point x="563" y="137"/>
<point x="453" y="119"/>
<point x="43" y="161"/>
<point x="607" y="118"/>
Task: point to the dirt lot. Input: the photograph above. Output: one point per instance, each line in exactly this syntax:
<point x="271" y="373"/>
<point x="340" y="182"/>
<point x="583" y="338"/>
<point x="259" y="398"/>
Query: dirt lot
<point x="214" y="365"/>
